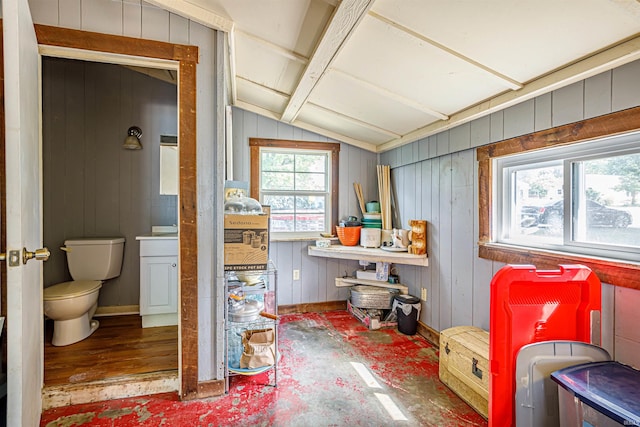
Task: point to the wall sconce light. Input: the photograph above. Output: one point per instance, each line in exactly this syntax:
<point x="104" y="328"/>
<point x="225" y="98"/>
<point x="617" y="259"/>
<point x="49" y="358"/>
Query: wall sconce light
<point x="132" y="142"/>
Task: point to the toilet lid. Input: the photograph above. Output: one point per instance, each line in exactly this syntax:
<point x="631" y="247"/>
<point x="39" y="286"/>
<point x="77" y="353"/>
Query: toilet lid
<point x="76" y="288"/>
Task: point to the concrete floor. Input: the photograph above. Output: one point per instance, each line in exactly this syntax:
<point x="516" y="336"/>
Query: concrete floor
<point x="332" y="372"/>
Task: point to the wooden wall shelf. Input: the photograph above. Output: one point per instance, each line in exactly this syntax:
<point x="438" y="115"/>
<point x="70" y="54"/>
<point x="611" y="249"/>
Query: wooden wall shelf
<point x="368" y="254"/>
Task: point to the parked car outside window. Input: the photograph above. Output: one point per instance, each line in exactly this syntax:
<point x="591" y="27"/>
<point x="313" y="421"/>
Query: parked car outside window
<point x="597" y="216"/>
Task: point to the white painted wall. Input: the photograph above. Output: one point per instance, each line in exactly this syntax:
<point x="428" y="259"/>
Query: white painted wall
<point x="135" y="18"/>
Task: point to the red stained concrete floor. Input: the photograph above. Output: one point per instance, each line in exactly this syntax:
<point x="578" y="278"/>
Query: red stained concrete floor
<point x="317" y="386"/>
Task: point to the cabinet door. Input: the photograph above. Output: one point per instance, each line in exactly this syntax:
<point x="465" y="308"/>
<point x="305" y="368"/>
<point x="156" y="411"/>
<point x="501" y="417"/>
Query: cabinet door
<point x="158" y="285"/>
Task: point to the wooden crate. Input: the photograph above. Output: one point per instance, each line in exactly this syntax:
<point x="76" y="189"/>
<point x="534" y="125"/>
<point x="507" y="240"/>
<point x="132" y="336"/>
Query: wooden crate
<point x="464" y="365"/>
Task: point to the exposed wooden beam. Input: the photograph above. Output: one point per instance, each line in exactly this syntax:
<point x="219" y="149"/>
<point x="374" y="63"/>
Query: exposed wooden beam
<point x="344" y="21"/>
<point x="195" y="13"/>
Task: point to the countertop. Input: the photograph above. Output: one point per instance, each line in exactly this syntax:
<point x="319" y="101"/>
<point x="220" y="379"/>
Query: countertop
<point x="158" y="236"/>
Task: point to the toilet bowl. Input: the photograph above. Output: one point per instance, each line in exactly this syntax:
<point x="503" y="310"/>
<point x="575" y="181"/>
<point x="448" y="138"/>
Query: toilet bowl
<point x="71" y="305"/>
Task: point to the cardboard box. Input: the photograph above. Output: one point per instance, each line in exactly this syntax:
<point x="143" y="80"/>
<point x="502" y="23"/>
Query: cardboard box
<point x="246" y="242"/>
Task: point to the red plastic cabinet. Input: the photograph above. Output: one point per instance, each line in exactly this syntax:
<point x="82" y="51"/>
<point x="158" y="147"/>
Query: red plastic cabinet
<point x="528" y="306"/>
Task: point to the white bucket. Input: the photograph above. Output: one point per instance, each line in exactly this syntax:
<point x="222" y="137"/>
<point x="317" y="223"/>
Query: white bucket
<point x="370" y="237"/>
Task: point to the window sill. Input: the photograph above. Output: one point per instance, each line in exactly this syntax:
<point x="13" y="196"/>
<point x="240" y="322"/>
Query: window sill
<point x="277" y="239"/>
<point x="617" y="273"/>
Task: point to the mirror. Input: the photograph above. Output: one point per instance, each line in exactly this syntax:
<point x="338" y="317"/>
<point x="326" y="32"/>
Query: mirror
<point x="168" y="165"/>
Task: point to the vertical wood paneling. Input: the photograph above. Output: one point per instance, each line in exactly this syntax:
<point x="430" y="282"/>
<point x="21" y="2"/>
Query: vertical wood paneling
<point x="131" y="18"/>
<point x="297" y="290"/>
<point x="435" y="237"/>
<point x="519" y="119"/>
<point x="442" y="143"/>
<point x="567" y="104"/>
<point x="179" y="30"/>
<point x="479" y="131"/>
<point x="283" y="259"/>
<point x="155" y="24"/>
<point x="597" y="95"/>
<point x="46" y="11"/>
<point x="542" y="119"/>
<point x="425" y="198"/>
<point x="446" y="248"/>
<point x="317" y="280"/>
<point x="497" y="126"/>
<point x="462" y="237"/>
<point x="625" y="88"/>
<point x="459" y="138"/>
<point x="101" y="16"/>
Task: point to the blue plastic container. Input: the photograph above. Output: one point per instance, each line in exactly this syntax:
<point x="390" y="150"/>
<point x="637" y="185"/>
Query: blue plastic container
<point x="599" y="394"/>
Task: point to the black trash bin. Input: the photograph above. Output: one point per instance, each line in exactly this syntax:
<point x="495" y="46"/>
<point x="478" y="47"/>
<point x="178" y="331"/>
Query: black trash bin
<point x="407" y="308"/>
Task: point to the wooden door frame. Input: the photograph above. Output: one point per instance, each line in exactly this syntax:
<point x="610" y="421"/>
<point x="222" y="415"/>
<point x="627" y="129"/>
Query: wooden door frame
<point x="187" y="58"/>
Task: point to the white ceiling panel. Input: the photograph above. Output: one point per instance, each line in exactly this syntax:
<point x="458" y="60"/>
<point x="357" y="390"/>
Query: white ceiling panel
<point x="400" y="63"/>
<point x="322" y="118"/>
<point x="265" y="66"/>
<point x="379" y="74"/>
<point x="260" y="97"/>
<point x="367" y="103"/>
<point x="521" y="39"/>
<point x="283" y="22"/>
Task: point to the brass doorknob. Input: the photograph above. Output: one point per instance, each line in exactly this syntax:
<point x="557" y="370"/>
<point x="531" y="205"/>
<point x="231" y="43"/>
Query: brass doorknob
<point x="41" y="254"/>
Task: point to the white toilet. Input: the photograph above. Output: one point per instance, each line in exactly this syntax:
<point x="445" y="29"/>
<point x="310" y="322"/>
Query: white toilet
<point x="71" y="305"/>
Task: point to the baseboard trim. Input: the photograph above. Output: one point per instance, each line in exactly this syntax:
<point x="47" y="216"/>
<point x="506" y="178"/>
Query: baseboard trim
<point x="117" y="310"/>
<point x="116" y="388"/>
<point x="429" y="334"/>
<point x="312" y="307"/>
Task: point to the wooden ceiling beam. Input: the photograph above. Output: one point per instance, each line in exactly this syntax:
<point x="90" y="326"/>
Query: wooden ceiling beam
<point x="344" y="21"/>
<point x="195" y="13"/>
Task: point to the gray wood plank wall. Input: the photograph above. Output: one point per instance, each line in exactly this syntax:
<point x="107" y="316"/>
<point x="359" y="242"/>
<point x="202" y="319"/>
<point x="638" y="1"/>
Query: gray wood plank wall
<point x="92" y="186"/>
<point x="317" y="275"/>
<point x="435" y="179"/>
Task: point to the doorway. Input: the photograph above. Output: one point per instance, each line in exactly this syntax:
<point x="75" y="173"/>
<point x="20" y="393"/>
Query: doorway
<point x="93" y="187"/>
<point x="61" y="42"/>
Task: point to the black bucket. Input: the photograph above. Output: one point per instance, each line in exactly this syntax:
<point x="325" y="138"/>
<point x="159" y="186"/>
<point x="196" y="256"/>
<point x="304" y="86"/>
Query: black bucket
<point x="407" y="323"/>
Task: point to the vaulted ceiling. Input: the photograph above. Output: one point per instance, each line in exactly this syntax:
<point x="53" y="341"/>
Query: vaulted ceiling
<point x="382" y="73"/>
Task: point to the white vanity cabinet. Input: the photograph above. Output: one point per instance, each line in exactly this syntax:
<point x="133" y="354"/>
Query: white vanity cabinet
<point x="158" y="280"/>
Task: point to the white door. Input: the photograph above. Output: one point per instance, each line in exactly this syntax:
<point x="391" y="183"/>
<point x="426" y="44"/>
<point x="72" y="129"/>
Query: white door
<point x="24" y="215"/>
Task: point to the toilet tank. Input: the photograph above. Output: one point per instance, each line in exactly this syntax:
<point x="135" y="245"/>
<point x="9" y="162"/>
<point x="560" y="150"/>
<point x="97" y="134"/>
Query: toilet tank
<point x="94" y="258"/>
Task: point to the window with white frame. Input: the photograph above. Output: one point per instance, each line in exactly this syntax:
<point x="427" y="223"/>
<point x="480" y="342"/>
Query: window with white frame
<point x="297" y="182"/>
<point x="581" y="198"/>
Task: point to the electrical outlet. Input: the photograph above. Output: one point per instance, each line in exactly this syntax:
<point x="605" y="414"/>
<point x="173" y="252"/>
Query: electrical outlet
<point x="423" y="294"/>
<point x="296" y="274"/>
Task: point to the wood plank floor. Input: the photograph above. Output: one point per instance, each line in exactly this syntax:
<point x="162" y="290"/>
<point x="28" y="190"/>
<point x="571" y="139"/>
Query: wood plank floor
<point x="119" y="347"/>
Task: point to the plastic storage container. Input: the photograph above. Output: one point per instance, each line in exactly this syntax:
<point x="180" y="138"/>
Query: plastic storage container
<point x="529" y="306"/>
<point x="598" y="394"/>
<point x="536" y="395"/>
<point x="407" y="308"/>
